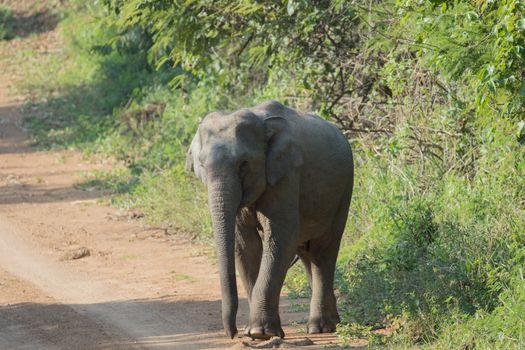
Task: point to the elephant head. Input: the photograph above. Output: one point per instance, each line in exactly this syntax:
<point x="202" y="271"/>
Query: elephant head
<point x="238" y="156"/>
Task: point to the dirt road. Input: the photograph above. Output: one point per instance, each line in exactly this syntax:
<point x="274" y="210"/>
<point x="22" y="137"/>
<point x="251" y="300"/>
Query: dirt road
<point x="137" y="288"/>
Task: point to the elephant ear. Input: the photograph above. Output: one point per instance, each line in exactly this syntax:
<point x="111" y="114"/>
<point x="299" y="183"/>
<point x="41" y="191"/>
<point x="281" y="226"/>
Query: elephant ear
<point x="282" y="155"/>
<point x="192" y="158"/>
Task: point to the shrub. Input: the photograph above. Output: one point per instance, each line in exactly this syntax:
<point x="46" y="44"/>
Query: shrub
<point x="6" y="23"/>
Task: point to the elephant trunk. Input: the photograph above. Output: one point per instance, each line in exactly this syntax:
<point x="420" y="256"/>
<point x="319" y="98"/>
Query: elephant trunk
<point x="224" y="196"/>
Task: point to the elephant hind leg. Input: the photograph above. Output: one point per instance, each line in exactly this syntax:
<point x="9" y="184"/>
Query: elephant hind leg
<point x="248" y="254"/>
<point x="323" y="256"/>
<point x="323" y="309"/>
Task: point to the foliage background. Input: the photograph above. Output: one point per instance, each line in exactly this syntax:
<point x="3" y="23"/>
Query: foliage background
<point x="430" y="94"/>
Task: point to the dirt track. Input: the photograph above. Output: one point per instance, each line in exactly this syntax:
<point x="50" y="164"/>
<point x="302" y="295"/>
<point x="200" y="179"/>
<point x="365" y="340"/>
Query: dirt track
<point x="138" y="288"/>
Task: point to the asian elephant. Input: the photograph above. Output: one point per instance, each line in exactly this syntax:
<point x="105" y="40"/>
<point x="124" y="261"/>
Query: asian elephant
<point x="279" y="186"/>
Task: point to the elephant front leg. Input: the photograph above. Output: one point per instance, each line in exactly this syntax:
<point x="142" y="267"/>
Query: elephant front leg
<point x="279" y="239"/>
<point x="264" y="319"/>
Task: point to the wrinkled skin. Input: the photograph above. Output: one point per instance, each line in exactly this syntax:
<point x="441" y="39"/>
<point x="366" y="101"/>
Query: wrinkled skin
<point x="279" y="185"/>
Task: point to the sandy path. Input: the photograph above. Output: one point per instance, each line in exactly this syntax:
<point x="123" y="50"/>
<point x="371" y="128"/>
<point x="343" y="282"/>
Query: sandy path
<point x="51" y="304"/>
<point x="107" y="308"/>
<point x="138" y="288"/>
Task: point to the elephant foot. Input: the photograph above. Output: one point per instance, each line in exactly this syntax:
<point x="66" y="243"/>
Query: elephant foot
<point x="322" y="324"/>
<point x="264" y="332"/>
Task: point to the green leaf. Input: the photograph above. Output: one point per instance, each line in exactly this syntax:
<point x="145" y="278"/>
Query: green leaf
<point x="521" y="132"/>
<point x="290" y="8"/>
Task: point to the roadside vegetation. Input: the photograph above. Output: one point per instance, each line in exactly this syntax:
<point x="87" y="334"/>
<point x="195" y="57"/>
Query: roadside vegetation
<point x="6" y="23"/>
<point x="430" y="94"/>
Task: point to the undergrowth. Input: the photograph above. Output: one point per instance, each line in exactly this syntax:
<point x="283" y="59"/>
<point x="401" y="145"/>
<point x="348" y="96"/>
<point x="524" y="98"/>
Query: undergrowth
<point x="434" y="246"/>
<point x="6" y="23"/>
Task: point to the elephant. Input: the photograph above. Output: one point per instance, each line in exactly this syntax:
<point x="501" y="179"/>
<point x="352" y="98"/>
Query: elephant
<point x="279" y="186"/>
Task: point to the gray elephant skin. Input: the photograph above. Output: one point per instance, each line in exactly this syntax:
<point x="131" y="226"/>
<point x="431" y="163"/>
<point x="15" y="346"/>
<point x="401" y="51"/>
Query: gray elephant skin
<point x="279" y="186"/>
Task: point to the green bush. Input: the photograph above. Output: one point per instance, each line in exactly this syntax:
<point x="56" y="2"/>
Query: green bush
<point x="6" y="23"/>
<point x="503" y="328"/>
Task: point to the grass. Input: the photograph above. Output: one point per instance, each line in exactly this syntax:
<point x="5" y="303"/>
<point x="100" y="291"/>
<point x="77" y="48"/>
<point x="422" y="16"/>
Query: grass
<point x="6" y="23"/>
<point x="503" y="328"/>
<point x="128" y="257"/>
<point x="299" y="307"/>
<point x="116" y="181"/>
<point x="183" y="277"/>
<point x="296" y="284"/>
<point x="433" y="248"/>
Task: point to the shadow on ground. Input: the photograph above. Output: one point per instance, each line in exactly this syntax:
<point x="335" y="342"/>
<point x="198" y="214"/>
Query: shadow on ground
<point x="159" y="324"/>
<point x="27" y="24"/>
<point x="130" y="324"/>
<point x="19" y="193"/>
